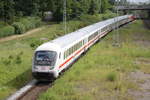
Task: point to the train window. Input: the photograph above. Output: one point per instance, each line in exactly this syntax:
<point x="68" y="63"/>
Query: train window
<point x="64" y="55"/>
<point x="75" y="47"/>
<point x="82" y="42"/>
<point x="72" y="49"/>
<point x="45" y="58"/>
<point x="79" y="44"/>
<point x="59" y="55"/>
<point x="104" y="29"/>
<point x="67" y="53"/>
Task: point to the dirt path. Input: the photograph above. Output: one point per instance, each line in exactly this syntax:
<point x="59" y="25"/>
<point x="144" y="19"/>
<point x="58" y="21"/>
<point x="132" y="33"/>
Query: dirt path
<point x="147" y="23"/>
<point x="22" y="35"/>
<point x="142" y="80"/>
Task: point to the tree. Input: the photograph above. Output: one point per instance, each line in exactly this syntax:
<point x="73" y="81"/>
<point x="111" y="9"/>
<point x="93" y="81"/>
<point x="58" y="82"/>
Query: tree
<point x="28" y="7"/>
<point x="58" y="11"/>
<point x="105" y="6"/>
<point x="112" y="2"/>
<point x="7" y="10"/>
<point x="1" y="10"/>
<point x="93" y="7"/>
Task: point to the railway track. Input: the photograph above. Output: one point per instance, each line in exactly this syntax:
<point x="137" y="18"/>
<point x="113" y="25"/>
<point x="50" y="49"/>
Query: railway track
<point x="31" y="91"/>
<point x="34" y="92"/>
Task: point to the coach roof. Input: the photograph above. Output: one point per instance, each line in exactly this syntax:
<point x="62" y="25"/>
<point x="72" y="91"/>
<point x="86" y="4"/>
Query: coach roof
<point x="64" y="41"/>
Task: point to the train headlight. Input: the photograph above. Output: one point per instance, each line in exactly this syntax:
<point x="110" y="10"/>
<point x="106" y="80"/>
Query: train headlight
<point x="35" y="67"/>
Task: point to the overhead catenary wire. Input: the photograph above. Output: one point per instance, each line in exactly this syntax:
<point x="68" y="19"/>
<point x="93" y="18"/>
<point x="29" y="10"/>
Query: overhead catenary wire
<point x="65" y="16"/>
<point x="116" y="41"/>
<point x="100" y="2"/>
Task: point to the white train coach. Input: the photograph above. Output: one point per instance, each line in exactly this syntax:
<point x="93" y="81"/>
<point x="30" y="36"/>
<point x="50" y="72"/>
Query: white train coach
<point x="54" y="56"/>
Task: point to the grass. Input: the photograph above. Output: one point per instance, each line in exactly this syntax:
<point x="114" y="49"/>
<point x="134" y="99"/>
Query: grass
<point x="16" y="56"/>
<point x="102" y="74"/>
<point x="88" y="77"/>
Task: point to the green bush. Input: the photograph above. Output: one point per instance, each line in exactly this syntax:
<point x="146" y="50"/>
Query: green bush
<point x="25" y="24"/>
<point x="19" y="27"/>
<point x="112" y="76"/>
<point x="35" y="43"/>
<point x="7" y="31"/>
<point x="18" y="60"/>
<point x="35" y="21"/>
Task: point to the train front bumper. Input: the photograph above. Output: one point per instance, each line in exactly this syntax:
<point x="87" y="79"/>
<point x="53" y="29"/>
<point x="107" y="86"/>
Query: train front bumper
<point x="47" y="75"/>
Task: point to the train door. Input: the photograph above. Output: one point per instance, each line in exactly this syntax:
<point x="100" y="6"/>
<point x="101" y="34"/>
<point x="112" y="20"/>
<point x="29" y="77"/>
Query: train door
<point x="60" y="61"/>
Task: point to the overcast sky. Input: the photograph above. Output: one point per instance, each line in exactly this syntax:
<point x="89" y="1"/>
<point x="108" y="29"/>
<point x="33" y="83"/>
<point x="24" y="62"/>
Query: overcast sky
<point x="138" y="1"/>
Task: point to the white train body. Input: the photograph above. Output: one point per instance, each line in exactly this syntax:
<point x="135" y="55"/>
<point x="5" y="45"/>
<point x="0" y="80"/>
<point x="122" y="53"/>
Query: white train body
<point x="54" y="56"/>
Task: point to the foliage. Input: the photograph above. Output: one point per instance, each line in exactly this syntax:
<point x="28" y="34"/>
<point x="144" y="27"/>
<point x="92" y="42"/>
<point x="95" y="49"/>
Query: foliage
<point x="25" y="24"/>
<point x="18" y="60"/>
<point x="108" y="14"/>
<point x="7" y="11"/>
<point x="7" y="31"/>
<point x="30" y="22"/>
<point x="97" y="17"/>
<point x="35" y="43"/>
<point x="93" y="9"/>
<point x="19" y="27"/>
<point x="10" y="9"/>
<point x="112" y="76"/>
<point x="90" y="18"/>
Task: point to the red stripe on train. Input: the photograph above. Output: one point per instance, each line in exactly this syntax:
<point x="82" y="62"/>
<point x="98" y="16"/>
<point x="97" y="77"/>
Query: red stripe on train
<point x="81" y="50"/>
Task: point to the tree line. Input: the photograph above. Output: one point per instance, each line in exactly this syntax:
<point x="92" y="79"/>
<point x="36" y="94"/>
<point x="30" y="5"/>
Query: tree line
<point x="10" y="10"/>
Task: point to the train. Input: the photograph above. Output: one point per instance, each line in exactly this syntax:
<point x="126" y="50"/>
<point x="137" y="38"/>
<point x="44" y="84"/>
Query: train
<point x="52" y="57"/>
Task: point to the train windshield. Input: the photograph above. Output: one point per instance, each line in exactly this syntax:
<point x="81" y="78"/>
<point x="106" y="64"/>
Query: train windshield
<point x="45" y="58"/>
